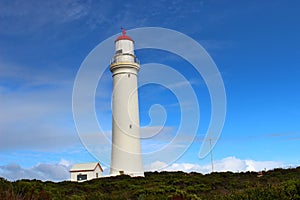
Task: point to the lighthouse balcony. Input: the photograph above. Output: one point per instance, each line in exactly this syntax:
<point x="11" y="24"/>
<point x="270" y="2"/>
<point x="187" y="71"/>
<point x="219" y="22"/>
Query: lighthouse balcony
<point x="124" y="58"/>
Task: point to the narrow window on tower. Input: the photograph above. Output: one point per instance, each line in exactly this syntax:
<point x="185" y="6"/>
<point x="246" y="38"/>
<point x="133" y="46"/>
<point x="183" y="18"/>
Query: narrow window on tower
<point x="128" y="75"/>
<point x="119" y="51"/>
<point x="130" y="126"/>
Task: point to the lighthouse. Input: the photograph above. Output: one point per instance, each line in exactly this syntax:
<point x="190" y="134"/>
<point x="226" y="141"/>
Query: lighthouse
<point x="126" y="157"/>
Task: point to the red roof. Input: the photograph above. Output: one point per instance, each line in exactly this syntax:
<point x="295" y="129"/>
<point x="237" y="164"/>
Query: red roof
<point x="124" y="36"/>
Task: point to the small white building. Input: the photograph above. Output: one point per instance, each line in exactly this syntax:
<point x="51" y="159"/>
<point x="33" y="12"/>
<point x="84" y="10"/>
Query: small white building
<point x="86" y="171"/>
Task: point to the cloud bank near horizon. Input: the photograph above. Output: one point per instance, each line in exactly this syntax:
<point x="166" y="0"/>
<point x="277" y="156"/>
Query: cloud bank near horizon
<point x="60" y="171"/>
<point x="231" y="163"/>
<point x="41" y="171"/>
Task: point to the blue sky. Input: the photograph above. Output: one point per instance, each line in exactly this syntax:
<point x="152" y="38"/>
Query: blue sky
<point x="255" y="46"/>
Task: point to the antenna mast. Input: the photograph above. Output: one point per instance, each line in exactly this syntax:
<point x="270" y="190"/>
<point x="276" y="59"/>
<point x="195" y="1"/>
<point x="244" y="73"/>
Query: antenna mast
<point x="211" y="156"/>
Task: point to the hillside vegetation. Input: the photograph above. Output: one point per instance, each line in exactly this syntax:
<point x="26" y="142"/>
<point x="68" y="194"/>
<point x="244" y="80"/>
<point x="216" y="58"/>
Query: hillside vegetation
<point x="275" y="184"/>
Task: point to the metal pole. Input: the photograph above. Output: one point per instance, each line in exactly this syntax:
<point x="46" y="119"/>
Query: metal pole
<point x="211" y="157"/>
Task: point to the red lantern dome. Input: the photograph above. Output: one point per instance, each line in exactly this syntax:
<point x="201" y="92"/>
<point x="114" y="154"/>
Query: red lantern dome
<point x="124" y="36"/>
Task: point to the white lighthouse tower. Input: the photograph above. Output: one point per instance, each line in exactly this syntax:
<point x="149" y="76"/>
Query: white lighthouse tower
<point x="126" y="155"/>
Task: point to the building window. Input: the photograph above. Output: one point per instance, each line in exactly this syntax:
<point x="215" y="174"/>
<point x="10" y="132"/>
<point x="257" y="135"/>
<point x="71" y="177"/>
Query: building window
<point x="128" y="75"/>
<point x="81" y="177"/>
<point x="130" y="126"/>
<point x="97" y="175"/>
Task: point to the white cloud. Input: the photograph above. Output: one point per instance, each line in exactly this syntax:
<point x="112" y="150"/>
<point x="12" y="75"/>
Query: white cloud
<point x="65" y="163"/>
<point x="41" y="171"/>
<point x="227" y="164"/>
<point x="36" y="109"/>
<point x="155" y="165"/>
<point x="156" y="132"/>
<point x="31" y="76"/>
<point x="31" y="16"/>
<point x="36" y="118"/>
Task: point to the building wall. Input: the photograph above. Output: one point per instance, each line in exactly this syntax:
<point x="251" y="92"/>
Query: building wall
<point x="90" y="174"/>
